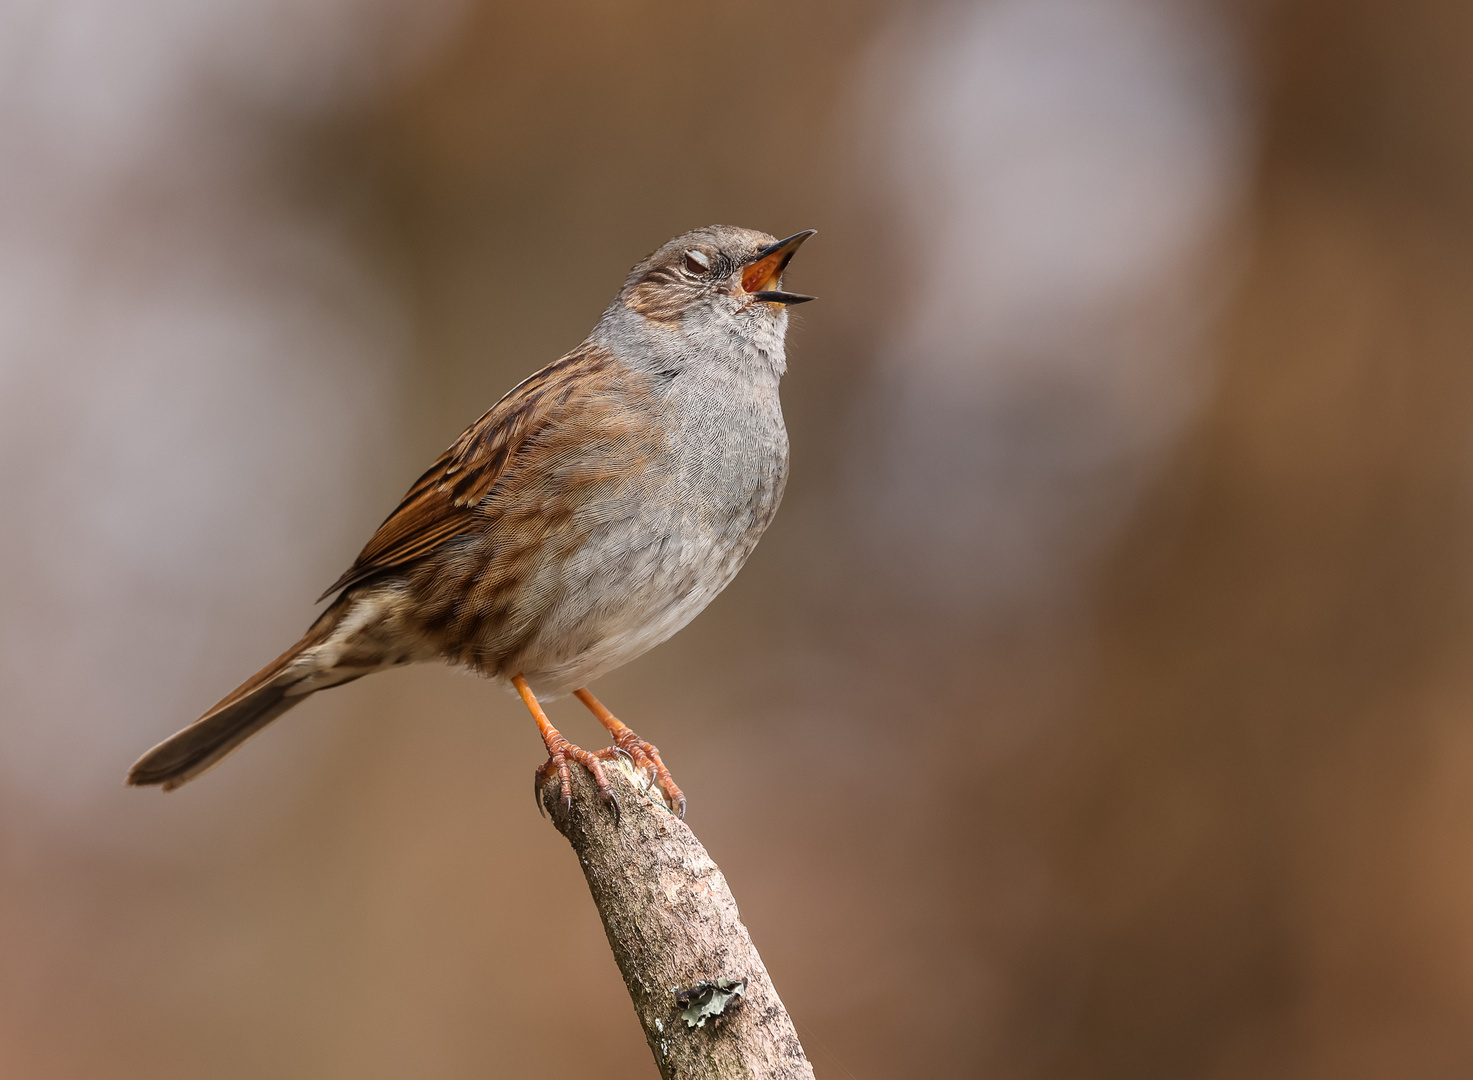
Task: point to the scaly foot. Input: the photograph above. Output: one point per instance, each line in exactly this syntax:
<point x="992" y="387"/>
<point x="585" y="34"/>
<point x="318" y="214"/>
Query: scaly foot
<point x="559" y="752"/>
<point x="646" y="756"/>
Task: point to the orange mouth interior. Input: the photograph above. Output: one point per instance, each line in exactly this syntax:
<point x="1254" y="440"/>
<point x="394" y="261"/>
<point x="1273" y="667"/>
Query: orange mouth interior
<point x="763" y="275"/>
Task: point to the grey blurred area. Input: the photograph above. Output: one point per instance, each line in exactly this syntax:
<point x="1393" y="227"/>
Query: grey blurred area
<point x="1098" y="705"/>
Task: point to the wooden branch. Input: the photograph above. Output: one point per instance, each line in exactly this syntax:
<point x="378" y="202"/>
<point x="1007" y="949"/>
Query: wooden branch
<point x="673" y="925"/>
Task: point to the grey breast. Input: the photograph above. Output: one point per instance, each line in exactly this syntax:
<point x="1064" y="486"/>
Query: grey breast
<point x="680" y="535"/>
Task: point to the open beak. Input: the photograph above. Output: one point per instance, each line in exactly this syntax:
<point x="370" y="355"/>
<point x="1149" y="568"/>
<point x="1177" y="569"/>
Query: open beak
<point x="762" y="274"/>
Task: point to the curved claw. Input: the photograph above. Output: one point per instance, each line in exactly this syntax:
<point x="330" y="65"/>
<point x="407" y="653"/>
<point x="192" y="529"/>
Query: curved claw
<point x="646" y="757"/>
<point x="561" y="754"/>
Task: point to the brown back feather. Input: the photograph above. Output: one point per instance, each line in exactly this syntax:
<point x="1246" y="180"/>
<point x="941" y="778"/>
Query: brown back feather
<point x="443" y="502"/>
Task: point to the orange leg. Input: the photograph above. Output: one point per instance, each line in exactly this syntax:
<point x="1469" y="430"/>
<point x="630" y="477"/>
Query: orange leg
<point x="559" y="753"/>
<point x="644" y="755"/>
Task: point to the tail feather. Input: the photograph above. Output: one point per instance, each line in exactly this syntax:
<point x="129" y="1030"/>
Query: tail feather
<point x="236" y="717"/>
<point x="182" y="757"/>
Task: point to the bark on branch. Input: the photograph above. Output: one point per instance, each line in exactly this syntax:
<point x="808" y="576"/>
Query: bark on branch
<point x="680" y="945"/>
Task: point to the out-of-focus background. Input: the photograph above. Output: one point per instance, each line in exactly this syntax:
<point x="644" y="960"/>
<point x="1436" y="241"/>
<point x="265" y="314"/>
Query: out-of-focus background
<point x="1100" y="703"/>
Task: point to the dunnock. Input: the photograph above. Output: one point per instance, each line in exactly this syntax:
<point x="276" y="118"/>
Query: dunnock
<point x="588" y="516"/>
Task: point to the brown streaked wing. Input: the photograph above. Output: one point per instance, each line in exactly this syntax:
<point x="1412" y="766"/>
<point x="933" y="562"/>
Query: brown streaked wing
<point x="442" y="503"/>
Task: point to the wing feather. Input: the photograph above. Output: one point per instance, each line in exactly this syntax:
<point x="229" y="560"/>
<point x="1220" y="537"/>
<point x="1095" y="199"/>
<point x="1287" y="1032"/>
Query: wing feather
<point x="443" y="502"/>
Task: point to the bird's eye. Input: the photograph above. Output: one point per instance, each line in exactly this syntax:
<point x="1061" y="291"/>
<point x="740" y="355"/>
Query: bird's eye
<point x="697" y="263"/>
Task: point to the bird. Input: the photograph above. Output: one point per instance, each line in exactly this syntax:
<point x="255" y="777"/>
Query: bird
<point x="585" y="518"/>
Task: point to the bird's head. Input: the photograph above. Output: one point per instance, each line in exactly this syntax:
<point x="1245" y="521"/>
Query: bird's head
<point x="719" y="276"/>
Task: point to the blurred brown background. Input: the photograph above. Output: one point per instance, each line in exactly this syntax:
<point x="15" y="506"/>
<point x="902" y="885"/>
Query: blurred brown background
<point x="1099" y="704"/>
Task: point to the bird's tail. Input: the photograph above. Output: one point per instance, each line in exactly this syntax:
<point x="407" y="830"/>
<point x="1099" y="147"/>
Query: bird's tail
<point x="263" y="697"/>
